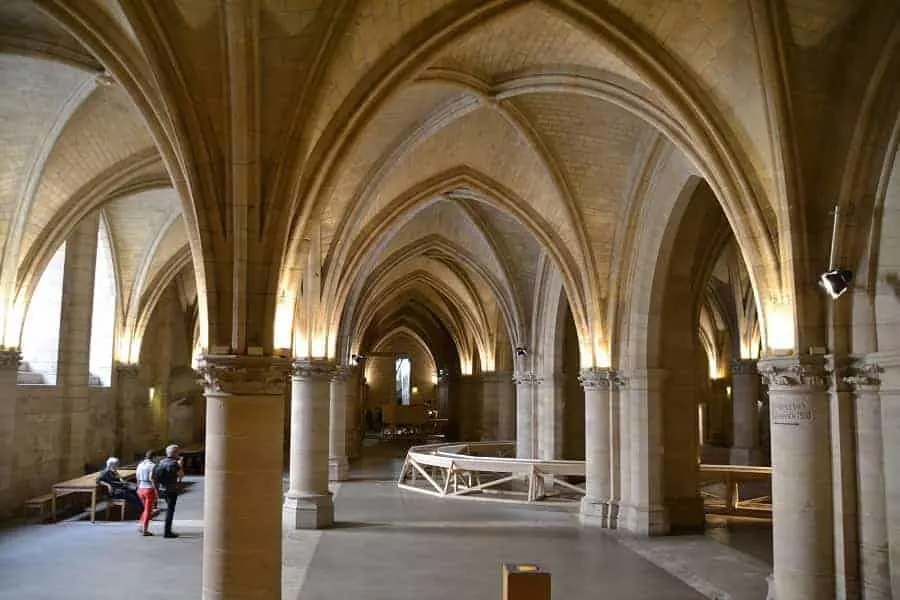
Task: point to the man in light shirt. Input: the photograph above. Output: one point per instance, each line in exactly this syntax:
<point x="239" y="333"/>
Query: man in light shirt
<point x="147" y="490"/>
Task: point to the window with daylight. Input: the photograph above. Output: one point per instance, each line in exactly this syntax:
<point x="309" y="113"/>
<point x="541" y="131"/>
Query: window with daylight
<point x="40" y="332"/>
<point x="402" y="375"/>
<point x="103" y="320"/>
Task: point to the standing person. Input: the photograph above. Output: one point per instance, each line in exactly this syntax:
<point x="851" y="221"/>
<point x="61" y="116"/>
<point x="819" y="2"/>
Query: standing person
<point x="168" y="480"/>
<point x="147" y="489"/>
<point x="116" y="486"/>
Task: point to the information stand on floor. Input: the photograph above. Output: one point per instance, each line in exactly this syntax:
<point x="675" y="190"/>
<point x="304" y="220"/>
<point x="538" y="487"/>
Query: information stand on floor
<point x="525" y="582"/>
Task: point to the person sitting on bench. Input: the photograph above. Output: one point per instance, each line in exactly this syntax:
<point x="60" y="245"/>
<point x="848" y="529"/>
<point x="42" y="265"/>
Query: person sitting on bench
<point x="116" y="486"/>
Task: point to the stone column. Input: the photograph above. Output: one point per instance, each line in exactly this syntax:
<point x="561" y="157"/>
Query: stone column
<point x="619" y="471"/>
<point x="595" y="506"/>
<point x="506" y="407"/>
<point x="870" y="467"/>
<point x="644" y="510"/>
<point x="526" y="434"/>
<point x="489" y="407"/>
<point x="443" y="397"/>
<point x="550" y="413"/>
<point x="803" y="530"/>
<point x="338" y="465"/>
<point x="308" y="503"/>
<point x="130" y="430"/>
<point x="75" y="344"/>
<point x="744" y="397"/>
<point x="244" y="429"/>
<point x="469" y="408"/>
<point x="890" y="438"/>
<point x="9" y="366"/>
<point x="352" y="437"/>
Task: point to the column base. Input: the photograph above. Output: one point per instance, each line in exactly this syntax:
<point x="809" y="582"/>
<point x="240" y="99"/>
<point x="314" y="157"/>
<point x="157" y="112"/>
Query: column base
<point x="746" y="456"/>
<point x="315" y="511"/>
<point x="338" y="468"/>
<point x="595" y="511"/>
<point x="644" y="520"/>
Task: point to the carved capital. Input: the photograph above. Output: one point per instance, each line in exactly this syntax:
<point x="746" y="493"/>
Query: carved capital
<point x="10" y="358"/>
<point x="341" y="373"/>
<point x="527" y="378"/>
<point x="744" y="366"/>
<point x="126" y="369"/>
<point x="313" y="369"/>
<point x="864" y="375"/>
<point x="596" y="378"/>
<point x="243" y="375"/>
<point x="793" y="372"/>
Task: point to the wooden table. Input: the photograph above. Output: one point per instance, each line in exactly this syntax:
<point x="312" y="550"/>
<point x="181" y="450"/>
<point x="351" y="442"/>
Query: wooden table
<point x="86" y="484"/>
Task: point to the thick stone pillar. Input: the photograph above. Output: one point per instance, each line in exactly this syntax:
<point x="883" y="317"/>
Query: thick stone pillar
<point x="9" y="366"/>
<point x="353" y="433"/>
<point x="243" y="473"/>
<point x="526" y="432"/>
<point x="506" y="407"/>
<point x="470" y="398"/>
<point x="803" y="530"/>
<point x="551" y="406"/>
<point x="338" y="465"/>
<point x="874" y="564"/>
<point x="889" y="362"/>
<point x="131" y="434"/>
<point x="489" y="406"/>
<point x="619" y="471"/>
<point x="595" y="506"/>
<point x="75" y="343"/>
<point x="443" y="397"/>
<point x="745" y="448"/>
<point x="643" y="510"/>
<point x="308" y="503"/>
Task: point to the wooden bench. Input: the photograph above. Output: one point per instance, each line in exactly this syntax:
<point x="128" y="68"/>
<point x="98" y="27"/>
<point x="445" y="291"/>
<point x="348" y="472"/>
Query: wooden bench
<point x="42" y="504"/>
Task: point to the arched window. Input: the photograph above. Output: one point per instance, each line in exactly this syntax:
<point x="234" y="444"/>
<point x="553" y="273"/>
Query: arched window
<point x="40" y="332"/>
<point x="103" y="320"/>
<point x="402" y="375"/>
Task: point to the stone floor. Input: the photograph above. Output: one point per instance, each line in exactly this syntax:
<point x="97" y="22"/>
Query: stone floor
<point x="387" y="544"/>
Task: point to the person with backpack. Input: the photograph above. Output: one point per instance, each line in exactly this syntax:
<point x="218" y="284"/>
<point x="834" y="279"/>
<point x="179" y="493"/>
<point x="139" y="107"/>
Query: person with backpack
<point x="168" y="480"/>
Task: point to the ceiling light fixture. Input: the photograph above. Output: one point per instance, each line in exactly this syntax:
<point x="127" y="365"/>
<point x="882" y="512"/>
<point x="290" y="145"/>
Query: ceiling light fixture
<point x="836" y="280"/>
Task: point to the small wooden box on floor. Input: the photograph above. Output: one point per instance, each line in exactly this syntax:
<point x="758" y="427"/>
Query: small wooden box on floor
<point x="525" y="582"/>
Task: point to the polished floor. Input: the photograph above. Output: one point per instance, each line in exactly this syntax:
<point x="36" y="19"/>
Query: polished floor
<point x="387" y="544"/>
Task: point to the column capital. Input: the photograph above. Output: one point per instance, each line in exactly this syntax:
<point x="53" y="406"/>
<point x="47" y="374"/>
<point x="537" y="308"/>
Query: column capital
<point x="341" y="373"/>
<point x="643" y="379"/>
<point x="527" y="378"/>
<point x="311" y="368"/>
<point x="864" y="375"/>
<point x="497" y="376"/>
<point x="794" y="371"/>
<point x="126" y="369"/>
<point x="744" y="366"/>
<point x="600" y="377"/>
<point x="10" y="358"/>
<point x="242" y="375"/>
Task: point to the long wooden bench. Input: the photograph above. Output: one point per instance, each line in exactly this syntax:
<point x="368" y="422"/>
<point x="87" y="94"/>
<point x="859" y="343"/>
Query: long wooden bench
<point x="42" y="504"/>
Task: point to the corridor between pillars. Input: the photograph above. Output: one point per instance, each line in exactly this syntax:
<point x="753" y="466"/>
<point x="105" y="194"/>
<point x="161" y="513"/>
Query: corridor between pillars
<point x="338" y="465"/>
<point x="244" y="442"/>
<point x="551" y="395"/>
<point x="526" y="394"/>
<point x="308" y="503"/>
<point x="802" y="533"/>
<point x="744" y="397"/>
<point x="597" y="506"/>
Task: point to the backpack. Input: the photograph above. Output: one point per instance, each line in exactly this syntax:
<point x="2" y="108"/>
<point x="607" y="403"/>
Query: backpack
<point x="166" y="472"/>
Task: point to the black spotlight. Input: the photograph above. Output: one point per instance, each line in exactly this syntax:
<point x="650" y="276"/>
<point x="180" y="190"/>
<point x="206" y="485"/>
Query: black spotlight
<point x="836" y="281"/>
<point x="521" y="351"/>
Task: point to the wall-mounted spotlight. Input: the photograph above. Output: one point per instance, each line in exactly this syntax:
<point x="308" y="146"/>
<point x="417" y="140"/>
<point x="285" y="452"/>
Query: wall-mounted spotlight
<point x="835" y="281"/>
<point x="521" y="351"/>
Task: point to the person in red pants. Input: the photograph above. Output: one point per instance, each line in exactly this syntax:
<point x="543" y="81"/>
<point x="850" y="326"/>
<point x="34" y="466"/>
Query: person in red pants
<point x="147" y="490"/>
